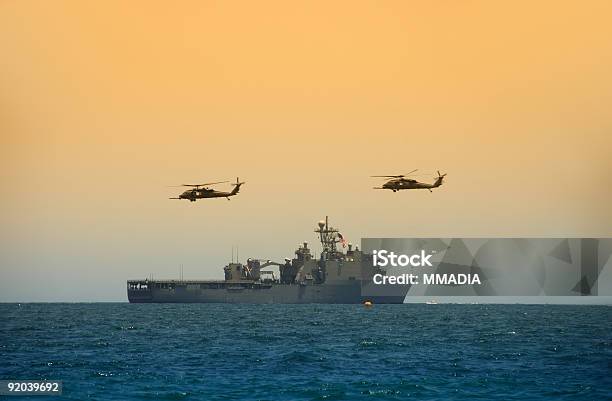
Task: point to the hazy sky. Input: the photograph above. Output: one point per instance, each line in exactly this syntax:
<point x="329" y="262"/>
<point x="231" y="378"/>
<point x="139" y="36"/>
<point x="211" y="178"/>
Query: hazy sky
<point x="104" y="104"/>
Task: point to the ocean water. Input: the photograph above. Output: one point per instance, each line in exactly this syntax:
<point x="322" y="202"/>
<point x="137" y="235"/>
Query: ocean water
<point x="310" y="352"/>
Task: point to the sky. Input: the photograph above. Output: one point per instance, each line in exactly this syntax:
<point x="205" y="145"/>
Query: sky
<point x="106" y="104"/>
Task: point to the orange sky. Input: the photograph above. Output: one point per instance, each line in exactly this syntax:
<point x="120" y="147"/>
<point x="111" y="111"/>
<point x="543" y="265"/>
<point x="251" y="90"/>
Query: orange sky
<point x="105" y="104"/>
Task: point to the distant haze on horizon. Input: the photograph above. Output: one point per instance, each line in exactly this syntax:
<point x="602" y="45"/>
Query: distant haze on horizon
<point x="104" y="105"/>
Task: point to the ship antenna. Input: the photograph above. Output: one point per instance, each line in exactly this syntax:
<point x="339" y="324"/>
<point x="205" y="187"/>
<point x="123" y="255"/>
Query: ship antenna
<point x="328" y="238"/>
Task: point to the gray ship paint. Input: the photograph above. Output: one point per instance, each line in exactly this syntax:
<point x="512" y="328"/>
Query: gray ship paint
<point x="335" y="277"/>
<point x="392" y="270"/>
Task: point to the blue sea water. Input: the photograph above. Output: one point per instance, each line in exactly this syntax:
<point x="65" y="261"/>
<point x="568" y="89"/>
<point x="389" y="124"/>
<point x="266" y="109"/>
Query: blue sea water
<point x="310" y="352"/>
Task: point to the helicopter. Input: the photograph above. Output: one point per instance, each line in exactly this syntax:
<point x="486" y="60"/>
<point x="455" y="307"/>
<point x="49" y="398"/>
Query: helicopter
<point x="201" y="191"/>
<point x="399" y="182"/>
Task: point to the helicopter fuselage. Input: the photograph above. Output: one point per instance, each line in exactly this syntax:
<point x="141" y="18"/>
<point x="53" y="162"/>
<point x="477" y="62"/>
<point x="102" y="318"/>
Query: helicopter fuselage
<point x="406" y="184"/>
<point x="194" y="194"/>
<point x="398" y="184"/>
<point x="200" y="192"/>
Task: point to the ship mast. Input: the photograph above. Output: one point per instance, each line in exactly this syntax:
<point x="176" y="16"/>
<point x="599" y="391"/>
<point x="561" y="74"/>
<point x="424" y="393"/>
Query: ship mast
<point x="329" y="238"/>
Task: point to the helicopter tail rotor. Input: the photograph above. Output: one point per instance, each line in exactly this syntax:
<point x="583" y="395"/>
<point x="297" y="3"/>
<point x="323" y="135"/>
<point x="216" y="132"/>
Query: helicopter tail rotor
<point x="237" y="186"/>
<point x="439" y="180"/>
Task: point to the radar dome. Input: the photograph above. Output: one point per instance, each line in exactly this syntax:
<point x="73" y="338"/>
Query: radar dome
<point x="321" y="224"/>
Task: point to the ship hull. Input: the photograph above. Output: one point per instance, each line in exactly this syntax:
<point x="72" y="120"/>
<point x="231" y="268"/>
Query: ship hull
<point x="341" y="293"/>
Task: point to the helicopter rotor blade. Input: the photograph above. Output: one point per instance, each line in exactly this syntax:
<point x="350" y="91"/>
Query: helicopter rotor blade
<point x="202" y="185"/>
<point x="396" y="176"/>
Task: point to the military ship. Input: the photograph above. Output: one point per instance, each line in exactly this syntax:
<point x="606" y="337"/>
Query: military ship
<point x="341" y="275"/>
